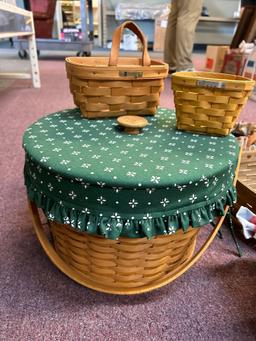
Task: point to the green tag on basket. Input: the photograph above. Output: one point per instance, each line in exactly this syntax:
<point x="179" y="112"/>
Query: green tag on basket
<point x="210" y="84"/>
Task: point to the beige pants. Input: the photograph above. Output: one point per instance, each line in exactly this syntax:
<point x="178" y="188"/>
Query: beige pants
<point x="180" y="33"/>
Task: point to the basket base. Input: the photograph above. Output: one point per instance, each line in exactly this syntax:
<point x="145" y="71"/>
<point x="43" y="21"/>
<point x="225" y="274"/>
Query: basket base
<point x="202" y="130"/>
<point x="116" y="113"/>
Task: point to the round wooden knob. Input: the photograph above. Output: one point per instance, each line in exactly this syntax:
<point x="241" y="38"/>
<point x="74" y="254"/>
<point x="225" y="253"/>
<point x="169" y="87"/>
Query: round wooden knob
<point x="132" y="124"/>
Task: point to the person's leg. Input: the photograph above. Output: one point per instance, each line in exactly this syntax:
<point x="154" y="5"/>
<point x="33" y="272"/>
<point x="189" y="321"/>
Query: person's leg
<point x="188" y="14"/>
<point x="170" y="37"/>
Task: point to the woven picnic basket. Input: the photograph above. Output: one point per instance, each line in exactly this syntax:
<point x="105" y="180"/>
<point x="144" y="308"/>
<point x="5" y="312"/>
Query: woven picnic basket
<point x="208" y="102"/>
<point x="114" y="86"/>
<point x="127" y="265"/>
<point x="124" y="266"/>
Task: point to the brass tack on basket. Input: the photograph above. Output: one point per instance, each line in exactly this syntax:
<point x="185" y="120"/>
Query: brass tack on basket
<point x="132" y="124"/>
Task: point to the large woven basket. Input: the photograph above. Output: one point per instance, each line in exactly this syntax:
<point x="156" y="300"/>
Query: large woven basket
<point x="126" y="263"/>
<point x="208" y="102"/>
<point x="123" y="266"/>
<point x="115" y="86"/>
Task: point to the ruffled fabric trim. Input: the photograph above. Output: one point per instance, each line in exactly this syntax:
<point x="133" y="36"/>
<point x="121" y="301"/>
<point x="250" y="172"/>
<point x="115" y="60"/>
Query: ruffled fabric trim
<point x="113" y="227"/>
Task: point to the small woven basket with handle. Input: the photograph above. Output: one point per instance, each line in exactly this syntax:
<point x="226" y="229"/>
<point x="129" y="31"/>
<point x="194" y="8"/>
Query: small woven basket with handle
<point x="208" y="102"/>
<point x="115" y="86"/>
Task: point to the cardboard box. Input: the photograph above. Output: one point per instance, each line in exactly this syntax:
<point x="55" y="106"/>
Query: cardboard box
<point x="234" y="63"/>
<point x="159" y="35"/>
<point x="215" y="58"/>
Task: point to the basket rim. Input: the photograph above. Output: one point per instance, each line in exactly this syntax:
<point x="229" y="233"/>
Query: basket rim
<point x="76" y="62"/>
<point x="216" y="76"/>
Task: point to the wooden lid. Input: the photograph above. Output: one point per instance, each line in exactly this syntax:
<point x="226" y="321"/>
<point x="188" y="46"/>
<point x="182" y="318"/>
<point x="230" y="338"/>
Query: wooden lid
<point x="132" y="121"/>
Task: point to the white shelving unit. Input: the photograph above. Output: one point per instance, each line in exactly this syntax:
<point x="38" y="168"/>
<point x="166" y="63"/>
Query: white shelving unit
<point x="218" y="28"/>
<point x="29" y="35"/>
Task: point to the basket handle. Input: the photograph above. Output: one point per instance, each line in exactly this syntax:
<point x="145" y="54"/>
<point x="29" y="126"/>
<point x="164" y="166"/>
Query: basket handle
<point x="114" y="53"/>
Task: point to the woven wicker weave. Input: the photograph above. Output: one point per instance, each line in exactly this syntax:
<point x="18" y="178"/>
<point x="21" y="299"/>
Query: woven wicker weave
<point x="247" y="172"/>
<point x="124" y="266"/>
<point x="209" y="102"/>
<point x="115" y="86"/>
<point x="125" y="263"/>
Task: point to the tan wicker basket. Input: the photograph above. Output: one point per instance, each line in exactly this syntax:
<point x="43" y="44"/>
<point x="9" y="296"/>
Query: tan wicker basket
<point x="115" y="86"/>
<point x="125" y="263"/>
<point x="208" y="102"/>
<point x="124" y="266"/>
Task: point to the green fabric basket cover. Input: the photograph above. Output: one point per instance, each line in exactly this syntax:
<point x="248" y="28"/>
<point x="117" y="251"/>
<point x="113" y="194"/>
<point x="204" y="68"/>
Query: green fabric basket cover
<point x="93" y="176"/>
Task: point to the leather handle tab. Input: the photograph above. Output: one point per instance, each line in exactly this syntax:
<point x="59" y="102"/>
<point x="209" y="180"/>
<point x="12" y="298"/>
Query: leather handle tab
<point x="114" y="53"/>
